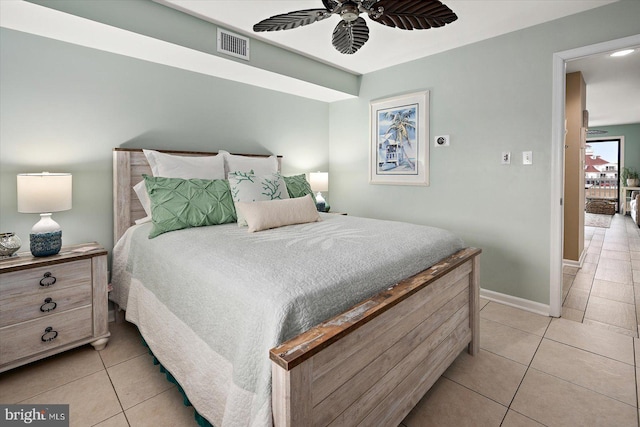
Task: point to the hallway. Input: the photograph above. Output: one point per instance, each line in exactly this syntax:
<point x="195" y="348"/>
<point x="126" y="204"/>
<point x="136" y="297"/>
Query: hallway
<point x="605" y="292"/>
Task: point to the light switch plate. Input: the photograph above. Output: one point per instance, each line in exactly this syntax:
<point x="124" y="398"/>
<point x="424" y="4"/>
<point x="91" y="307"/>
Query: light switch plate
<point x="506" y="158"/>
<point x="527" y="157"/>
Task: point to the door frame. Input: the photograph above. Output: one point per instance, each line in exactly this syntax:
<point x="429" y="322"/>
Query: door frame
<point x="557" y="157"/>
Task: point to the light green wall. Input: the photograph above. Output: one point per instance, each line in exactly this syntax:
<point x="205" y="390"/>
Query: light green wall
<point x="164" y="23"/>
<point x="490" y="97"/>
<point x="63" y="108"/>
<point x="631" y="133"/>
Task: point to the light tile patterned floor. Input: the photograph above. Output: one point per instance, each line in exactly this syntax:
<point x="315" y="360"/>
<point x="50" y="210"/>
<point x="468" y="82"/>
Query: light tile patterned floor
<point x="531" y="371"/>
<point x="571" y="374"/>
<point x="605" y="292"/>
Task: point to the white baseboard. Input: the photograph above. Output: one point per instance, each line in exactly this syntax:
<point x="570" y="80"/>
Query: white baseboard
<point x="572" y="263"/>
<point x="521" y="303"/>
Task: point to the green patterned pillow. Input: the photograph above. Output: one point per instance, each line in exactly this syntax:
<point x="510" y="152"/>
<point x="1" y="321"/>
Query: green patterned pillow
<point x="298" y="186"/>
<point x="249" y="187"/>
<point x="182" y="203"/>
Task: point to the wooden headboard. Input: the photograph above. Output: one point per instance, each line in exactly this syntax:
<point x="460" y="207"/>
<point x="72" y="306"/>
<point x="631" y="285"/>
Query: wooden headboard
<point x="129" y="164"/>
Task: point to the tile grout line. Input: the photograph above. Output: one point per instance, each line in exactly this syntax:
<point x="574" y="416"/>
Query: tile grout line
<point x="635" y="355"/>
<point x="115" y="391"/>
<point x="525" y="374"/>
<point x="60" y="385"/>
<point x="593" y="352"/>
<point x="610" y="232"/>
<point x="124" y="411"/>
<point x="584" y="313"/>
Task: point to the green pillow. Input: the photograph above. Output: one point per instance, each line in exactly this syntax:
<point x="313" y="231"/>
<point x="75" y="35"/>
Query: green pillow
<point x="178" y="203"/>
<point x="298" y="186"/>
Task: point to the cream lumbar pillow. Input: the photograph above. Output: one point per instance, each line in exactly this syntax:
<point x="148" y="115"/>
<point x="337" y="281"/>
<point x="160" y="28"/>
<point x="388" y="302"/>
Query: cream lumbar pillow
<point x="277" y="213"/>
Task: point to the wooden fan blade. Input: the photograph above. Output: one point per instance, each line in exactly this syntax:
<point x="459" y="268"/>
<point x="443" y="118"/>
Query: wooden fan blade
<point x="367" y="4"/>
<point x="412" y="14"/>
<point x="290" y="20"/>
<point x="330" y="4"/>
<point x="349" y="37"/>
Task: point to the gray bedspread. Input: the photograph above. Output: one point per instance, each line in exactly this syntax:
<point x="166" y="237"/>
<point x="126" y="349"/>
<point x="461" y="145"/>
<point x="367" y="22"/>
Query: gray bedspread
<point x="242" y="294"/>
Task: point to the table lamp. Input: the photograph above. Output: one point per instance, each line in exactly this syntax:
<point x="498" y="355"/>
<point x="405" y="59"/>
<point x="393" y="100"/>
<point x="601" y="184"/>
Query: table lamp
<point x="44" y="193"/>
<point x="319" y="181"/>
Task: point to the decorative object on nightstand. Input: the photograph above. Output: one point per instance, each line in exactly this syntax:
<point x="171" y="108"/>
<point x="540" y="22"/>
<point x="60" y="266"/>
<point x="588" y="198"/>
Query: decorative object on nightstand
<point x="50" y="305"/>
<point x="44" y="193"/>
<point x="9" y="245"/>
<point x="319" y="181"/>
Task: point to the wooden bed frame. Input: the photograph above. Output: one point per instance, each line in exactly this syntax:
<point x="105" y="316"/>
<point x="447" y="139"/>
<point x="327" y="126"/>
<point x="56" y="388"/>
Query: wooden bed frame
<point x="371" y="364"/>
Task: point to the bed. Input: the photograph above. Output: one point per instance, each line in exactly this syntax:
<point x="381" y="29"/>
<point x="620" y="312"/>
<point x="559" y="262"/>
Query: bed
<point x="323" y="344"/>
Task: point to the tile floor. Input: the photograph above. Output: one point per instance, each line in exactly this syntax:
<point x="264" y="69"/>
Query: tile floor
<point x="606" y="290"/>
<point x="531" y="371"/>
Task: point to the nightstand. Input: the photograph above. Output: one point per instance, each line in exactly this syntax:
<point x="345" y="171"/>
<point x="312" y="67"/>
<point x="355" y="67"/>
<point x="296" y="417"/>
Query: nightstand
<point x="52" y="304"/>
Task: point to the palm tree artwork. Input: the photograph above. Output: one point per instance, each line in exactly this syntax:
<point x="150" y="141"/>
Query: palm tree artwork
<point x="397" y="143"/>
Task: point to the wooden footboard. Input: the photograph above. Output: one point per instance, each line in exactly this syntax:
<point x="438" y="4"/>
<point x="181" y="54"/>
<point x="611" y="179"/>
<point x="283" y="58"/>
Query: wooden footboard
<point x="371" y="365"/>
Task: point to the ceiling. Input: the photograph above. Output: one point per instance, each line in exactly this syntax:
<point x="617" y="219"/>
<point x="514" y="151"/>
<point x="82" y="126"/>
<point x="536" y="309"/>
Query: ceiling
<point x="613" y="87"/>
<point x="477" y="20"/>
<point x="613" y="84"/>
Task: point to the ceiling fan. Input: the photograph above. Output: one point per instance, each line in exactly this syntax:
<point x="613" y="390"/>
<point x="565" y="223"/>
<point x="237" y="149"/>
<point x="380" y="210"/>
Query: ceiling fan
<point x="352" y="32"/>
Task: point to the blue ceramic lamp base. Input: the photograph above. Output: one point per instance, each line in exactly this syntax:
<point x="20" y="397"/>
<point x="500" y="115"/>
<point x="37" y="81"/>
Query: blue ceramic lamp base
<point x="321" y="203"/>
<point x="45" y="244"/>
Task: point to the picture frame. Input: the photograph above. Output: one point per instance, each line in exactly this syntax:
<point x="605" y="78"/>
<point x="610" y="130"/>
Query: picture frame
<point x="399" y="131"/>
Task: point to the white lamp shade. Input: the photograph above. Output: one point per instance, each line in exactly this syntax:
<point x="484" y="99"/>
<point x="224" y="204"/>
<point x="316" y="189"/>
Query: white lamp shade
<point x="319" y="181"/>
<point x="44" y="192"/>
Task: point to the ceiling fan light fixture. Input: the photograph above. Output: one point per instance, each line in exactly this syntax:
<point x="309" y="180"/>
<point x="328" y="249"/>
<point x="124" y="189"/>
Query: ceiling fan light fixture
<point x="349" y="12"/>
<point x="352" y="31"/>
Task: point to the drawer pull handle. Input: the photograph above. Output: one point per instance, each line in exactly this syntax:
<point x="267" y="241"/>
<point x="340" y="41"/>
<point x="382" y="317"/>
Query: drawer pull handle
<point x="48" y="305"/>
<point x="48" y="280"/>
<point x="49" y="334"/>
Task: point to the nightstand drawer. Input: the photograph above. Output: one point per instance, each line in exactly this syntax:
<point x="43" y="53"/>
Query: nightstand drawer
<point x="40" y="279"/>
<point x="48" y="302"/>
<point x="28" y="338"/>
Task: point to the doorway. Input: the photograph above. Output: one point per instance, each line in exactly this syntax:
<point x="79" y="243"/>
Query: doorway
<point x="557" y="158"/>
<point x="602" y="165"/>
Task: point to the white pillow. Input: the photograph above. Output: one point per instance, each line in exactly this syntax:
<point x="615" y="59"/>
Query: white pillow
<point x="141" y="191"/>
<point x="277" y="213"/>
<point x="249" y="187"/>
<point x="259" y="165"/>
<point x="185" y="167"/>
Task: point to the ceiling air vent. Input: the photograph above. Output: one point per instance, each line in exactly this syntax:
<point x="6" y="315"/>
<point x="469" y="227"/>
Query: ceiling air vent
<point x="233" y="44"/>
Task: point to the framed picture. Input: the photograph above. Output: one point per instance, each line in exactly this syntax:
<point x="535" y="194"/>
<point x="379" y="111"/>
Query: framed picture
<point x="399" y="132"/>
